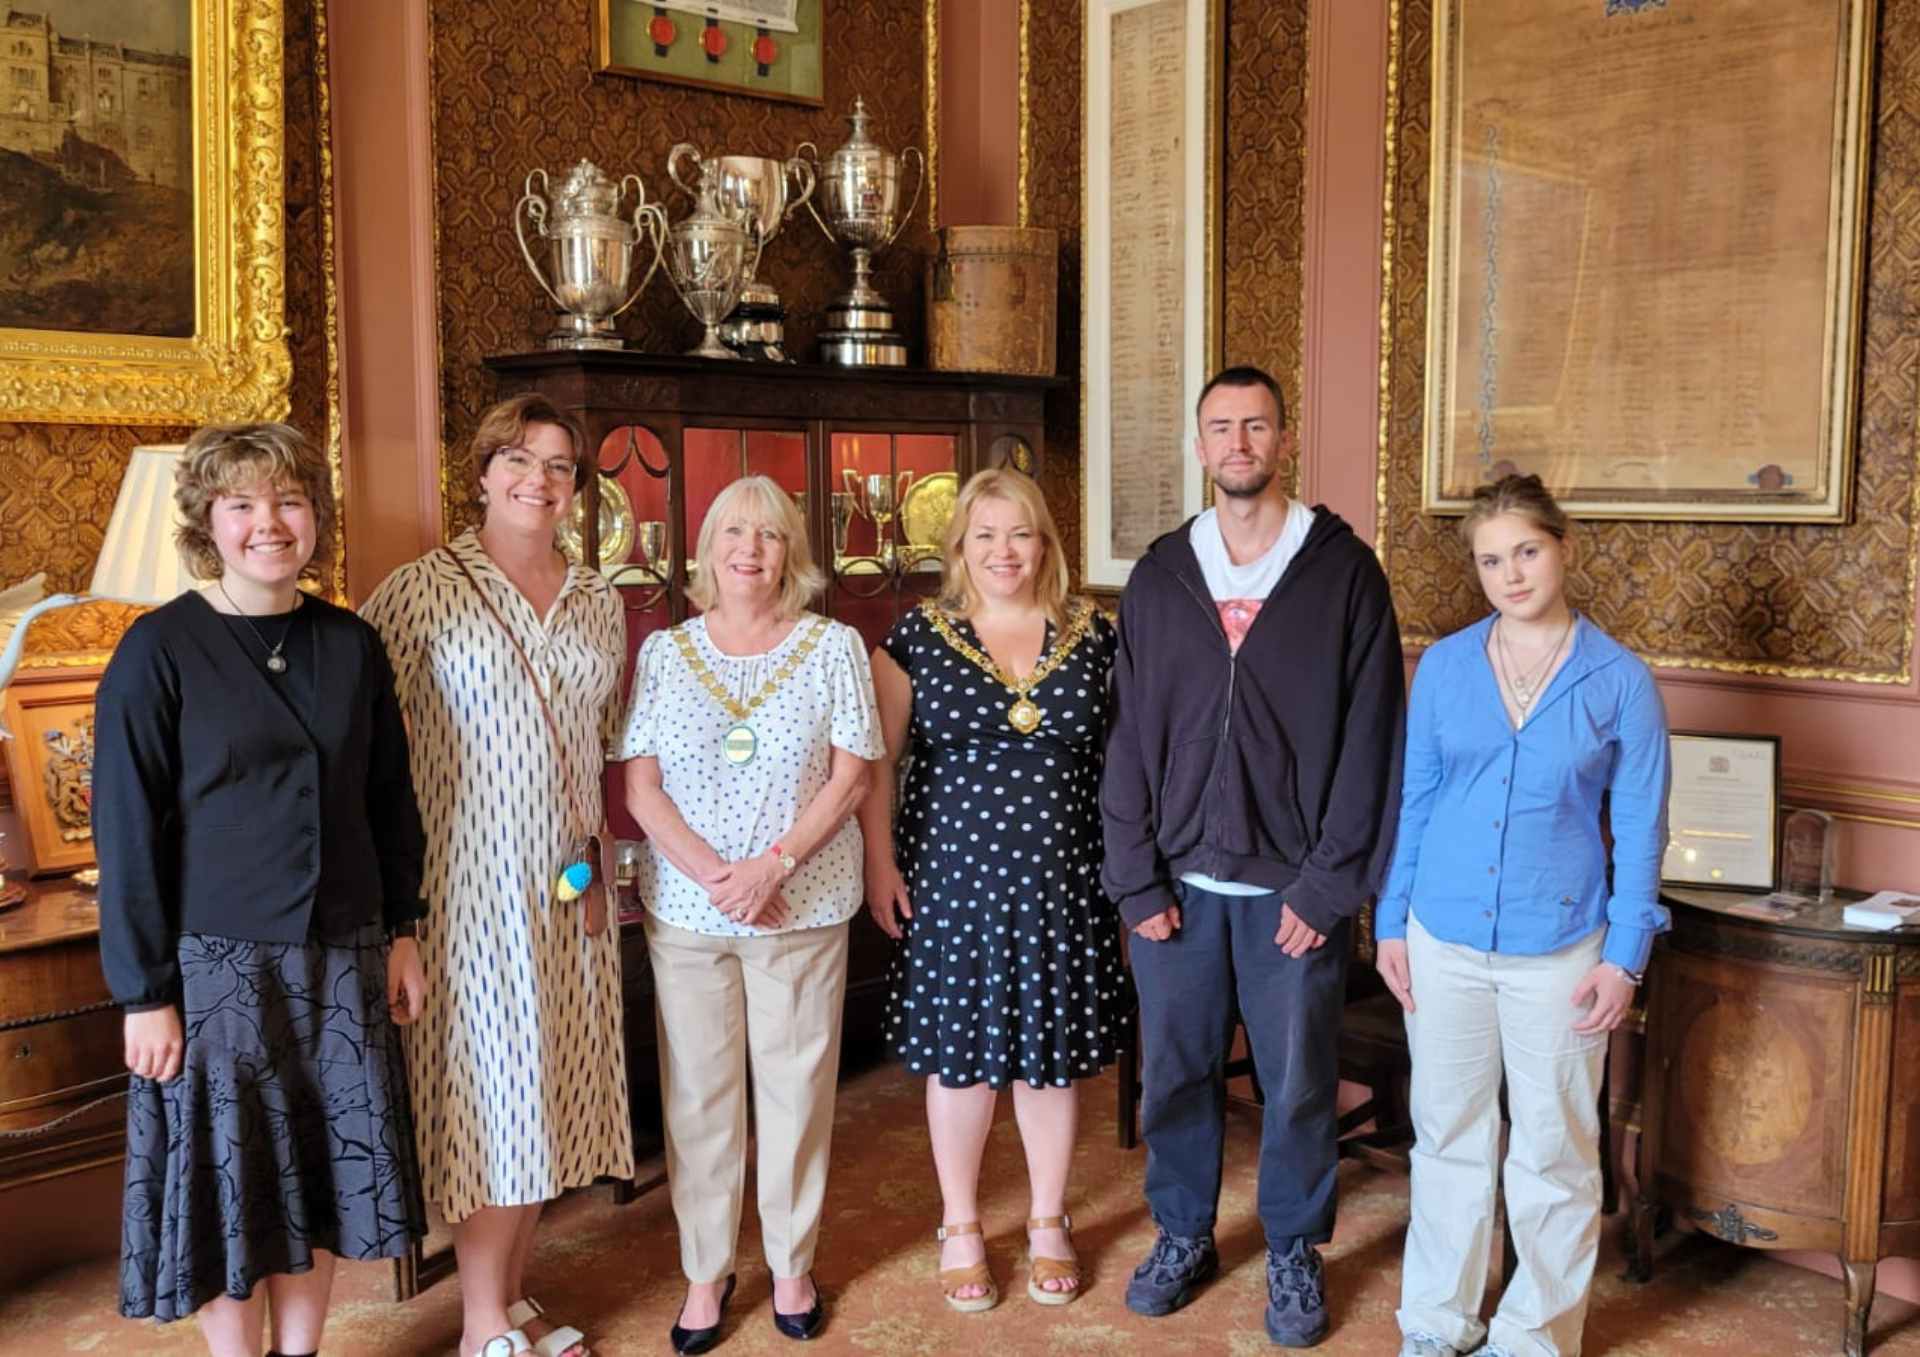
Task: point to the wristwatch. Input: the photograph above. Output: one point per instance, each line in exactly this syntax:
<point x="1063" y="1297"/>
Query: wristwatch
<point x="409" y="929"/>
<point x="786" y="860"/>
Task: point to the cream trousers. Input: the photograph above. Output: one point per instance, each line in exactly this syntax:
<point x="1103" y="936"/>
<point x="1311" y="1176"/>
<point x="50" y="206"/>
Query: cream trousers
<point x="725" y="1004"/>
<point x="1480" y="1015"/>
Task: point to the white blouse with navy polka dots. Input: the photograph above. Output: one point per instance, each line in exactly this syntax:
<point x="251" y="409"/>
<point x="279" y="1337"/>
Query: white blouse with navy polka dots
<point x="743" y="810"/>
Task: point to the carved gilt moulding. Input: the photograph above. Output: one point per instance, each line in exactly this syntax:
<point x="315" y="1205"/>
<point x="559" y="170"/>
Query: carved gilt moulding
<point x="237" y="364"/>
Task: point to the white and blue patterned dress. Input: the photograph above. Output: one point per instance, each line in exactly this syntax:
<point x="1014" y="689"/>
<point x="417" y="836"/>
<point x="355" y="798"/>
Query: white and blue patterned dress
<point x="518" y="1062"/>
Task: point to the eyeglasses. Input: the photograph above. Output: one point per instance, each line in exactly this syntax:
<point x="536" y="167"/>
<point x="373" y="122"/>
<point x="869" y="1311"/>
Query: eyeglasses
<point x="521" y="462"/>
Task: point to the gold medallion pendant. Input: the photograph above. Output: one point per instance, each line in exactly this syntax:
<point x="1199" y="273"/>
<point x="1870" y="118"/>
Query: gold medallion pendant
<point x="1024" y="716"/>
<point x="739" y="745"/>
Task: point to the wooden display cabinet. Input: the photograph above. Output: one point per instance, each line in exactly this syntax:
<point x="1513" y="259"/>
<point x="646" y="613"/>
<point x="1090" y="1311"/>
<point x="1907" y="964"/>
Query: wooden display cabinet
<point x="1781" y="1059"/>
<point x="62" y="1077"/>
<point x="673" y="431"/>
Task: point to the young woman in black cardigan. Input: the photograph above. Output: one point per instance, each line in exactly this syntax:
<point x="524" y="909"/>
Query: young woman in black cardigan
<point x="260" y="859"/>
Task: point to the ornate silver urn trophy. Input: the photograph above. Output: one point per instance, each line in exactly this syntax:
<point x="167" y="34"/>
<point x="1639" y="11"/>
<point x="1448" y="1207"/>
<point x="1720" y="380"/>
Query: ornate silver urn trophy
<point x="710" y="257"/>
<point x="754" y="192"/>
<point x="590" y="248"/>
<point x="860" y="190"/>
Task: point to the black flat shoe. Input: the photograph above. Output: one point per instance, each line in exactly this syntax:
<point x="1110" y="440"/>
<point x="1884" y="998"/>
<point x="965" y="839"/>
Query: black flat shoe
<point x="802" y="1326"/>
<point x="691" y="1341"/>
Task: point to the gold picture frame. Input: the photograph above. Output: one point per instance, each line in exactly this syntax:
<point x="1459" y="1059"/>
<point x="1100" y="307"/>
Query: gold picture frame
<point x="1150" y="291"/>
<point x="236" y="364"/>
<point x="50" y="766"/>
<point x="1646" y="255"/>
<point x="622" y="46"/>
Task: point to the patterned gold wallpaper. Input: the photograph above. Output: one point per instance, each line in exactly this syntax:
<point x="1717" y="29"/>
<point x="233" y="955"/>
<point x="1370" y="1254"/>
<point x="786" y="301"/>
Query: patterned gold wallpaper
<point x="1804" y="601"/>
<point x="57" y="481"/>
<point x="513" y="91"/>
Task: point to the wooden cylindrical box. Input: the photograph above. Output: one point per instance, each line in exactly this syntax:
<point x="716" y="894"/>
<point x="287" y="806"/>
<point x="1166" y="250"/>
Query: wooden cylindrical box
<point x="991" y="298"/>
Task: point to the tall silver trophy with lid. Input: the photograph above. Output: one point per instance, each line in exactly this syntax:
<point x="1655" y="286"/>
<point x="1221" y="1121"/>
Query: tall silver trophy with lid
<point x="590" y="247"/>
<point x="759" y="193"/>
<point x="859" y="190"/>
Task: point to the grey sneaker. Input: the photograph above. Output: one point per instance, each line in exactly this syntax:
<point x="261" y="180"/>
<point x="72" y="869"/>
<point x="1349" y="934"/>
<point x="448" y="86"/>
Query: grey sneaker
<point x="1491" y="1350"/>
<point x="1427" y="1345"/>
<point x="1296" y="1296"/>
<point x="1166" y="1280"/>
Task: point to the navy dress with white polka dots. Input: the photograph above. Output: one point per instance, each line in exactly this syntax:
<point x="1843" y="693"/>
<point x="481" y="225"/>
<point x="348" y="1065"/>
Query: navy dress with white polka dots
<point x="1010" y="967"/>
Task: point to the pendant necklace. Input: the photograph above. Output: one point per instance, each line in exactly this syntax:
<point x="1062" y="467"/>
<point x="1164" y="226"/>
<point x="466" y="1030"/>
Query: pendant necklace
<point x="1023" y="714"/>
<point x="739" y="745"/>
<point x="276" y="662"/>
<point x="1525" y="687"/>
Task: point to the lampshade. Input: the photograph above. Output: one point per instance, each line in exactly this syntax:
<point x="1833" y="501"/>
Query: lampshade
<point x="138" y="561"/>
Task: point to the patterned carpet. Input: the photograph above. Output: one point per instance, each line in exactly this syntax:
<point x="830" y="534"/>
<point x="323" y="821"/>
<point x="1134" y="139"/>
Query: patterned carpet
<point x="612" y="1270"/>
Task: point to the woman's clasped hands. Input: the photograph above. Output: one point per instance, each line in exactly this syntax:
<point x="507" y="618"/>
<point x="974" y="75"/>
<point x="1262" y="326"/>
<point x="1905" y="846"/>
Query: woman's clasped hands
<point x="748" y="891"/>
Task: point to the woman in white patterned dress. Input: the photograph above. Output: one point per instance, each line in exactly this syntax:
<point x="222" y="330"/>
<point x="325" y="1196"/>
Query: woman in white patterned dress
<point x="748" y="744"/>
<point x="518" y="1067"/>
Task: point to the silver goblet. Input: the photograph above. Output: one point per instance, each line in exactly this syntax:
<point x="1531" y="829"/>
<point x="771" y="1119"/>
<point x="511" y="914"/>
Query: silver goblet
<point x="709" y="258"/>
<point x="752" y="190"/>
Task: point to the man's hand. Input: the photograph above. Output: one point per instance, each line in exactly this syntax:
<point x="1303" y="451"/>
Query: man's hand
<point x="1296" y="938"/>
<point x="1161" y="926"/>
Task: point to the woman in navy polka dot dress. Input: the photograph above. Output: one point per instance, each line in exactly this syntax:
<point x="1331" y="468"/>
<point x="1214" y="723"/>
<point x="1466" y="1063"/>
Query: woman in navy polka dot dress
<point x="1007" y="970"/>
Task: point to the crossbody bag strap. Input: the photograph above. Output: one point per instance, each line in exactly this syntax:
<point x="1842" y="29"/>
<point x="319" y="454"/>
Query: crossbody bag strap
<point x="546" y="712"/>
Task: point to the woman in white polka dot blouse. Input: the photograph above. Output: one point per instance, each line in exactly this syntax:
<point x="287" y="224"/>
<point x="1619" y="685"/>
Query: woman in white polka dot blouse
<point x="748" y="743"/>
<point x="1008" y="970"/>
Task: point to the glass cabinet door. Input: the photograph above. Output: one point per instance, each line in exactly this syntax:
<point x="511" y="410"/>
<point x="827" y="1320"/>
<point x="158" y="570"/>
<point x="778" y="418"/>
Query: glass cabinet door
<point x="890" y="496"/>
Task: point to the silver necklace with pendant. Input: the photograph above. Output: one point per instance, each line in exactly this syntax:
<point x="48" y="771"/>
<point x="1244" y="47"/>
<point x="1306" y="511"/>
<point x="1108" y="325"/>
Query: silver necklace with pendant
<point x="276" y="662"/>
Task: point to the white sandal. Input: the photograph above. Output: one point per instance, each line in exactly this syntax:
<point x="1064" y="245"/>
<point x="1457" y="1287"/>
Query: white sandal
<point x="507" y="1344"/>
<point x="555" y="1343"/>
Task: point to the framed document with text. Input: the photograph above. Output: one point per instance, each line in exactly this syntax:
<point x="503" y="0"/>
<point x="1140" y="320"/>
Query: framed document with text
<point x="1151" y="283"/>
<point x="1723" y="812"/>
<point x="1647" y="252"/>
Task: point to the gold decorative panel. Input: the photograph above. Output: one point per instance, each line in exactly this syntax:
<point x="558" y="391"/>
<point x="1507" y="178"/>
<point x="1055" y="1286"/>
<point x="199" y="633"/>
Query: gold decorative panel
<point x="512" y="92"/>
<point x="58" y="481"/>
<point x="1057" y="77"/>
<point x="1265" y="216"/>
<point x="1799" y="601"/>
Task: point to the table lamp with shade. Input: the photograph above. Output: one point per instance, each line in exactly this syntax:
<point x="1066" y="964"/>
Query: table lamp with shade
<point x="139" y="562"/>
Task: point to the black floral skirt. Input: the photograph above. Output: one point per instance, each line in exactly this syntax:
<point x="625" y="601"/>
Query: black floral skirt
<point x="288" y="1129"/>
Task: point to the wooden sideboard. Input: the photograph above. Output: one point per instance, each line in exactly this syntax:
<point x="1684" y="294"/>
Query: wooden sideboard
<point x="62" y="1077"/>
<point x="1779" y="1096"/>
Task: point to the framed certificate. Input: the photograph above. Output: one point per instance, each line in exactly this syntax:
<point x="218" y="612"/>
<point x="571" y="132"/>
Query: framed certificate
<point x="1723" y="813"/>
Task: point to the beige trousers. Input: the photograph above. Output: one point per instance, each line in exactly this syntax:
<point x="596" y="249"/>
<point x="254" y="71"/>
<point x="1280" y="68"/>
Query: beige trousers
<point x="723" y="1003"/>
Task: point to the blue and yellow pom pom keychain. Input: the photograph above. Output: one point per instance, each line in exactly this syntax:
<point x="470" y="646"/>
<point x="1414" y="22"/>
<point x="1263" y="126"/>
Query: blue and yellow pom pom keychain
<point x="574" y="878"/>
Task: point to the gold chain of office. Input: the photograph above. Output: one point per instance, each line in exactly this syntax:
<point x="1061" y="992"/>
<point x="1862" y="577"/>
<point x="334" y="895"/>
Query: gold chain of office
<point x="741" y="743"/>
<point x="1024" y="715"/>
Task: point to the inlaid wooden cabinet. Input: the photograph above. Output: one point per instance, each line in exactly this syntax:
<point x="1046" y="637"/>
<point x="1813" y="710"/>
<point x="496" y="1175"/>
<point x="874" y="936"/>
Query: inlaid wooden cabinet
<point x="1780" y="1098"/>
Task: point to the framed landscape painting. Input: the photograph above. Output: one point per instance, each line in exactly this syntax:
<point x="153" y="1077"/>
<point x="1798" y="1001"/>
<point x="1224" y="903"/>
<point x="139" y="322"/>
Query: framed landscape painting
<point x="142" y="253"/>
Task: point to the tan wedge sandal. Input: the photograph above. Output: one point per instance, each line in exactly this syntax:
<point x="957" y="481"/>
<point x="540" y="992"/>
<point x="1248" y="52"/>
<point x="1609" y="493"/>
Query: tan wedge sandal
<point x="954" y="1279"/>
<point x="1052" y="1269"/>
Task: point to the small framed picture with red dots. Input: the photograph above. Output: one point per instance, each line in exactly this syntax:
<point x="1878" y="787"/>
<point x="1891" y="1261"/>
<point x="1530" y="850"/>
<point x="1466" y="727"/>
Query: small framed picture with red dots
<point x="772" y="49"/>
